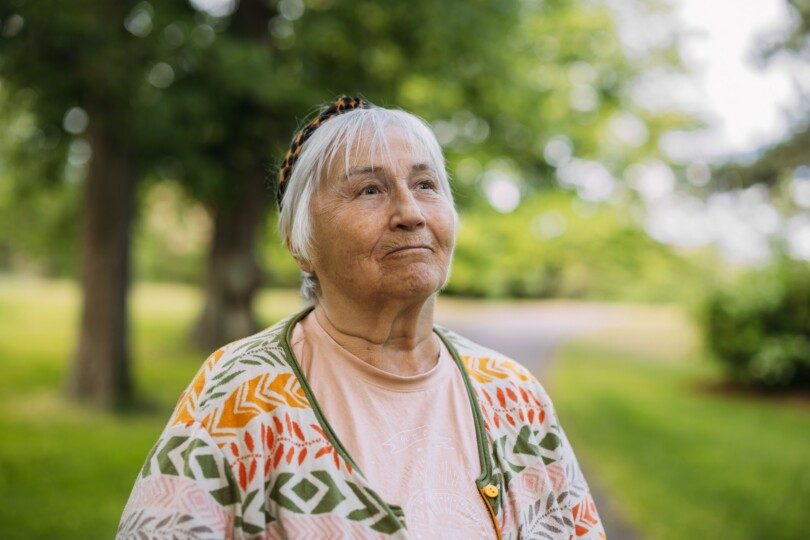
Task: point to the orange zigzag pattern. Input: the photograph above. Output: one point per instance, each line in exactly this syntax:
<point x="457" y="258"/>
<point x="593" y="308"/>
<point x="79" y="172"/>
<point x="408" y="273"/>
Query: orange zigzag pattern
<point x="187" y="404"/>
<point x="252" y="398"/>
<point x="485" y="370"/>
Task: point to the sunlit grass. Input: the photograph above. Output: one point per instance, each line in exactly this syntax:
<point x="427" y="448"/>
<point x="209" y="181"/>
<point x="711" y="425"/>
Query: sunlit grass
<point x="680" y="461"/>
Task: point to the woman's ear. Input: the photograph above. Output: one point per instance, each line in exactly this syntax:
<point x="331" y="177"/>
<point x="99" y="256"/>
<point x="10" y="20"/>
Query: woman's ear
<point x="304" y="265"/>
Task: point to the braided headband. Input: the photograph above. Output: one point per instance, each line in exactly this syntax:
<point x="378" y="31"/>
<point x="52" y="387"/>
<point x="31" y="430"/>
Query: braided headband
<point x="343" y="104"/>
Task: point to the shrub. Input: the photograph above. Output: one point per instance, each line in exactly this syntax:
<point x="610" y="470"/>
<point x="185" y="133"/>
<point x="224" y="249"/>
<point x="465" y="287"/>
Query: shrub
<point x="759" y="327"/>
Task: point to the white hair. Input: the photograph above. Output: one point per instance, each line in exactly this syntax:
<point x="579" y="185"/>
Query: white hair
<point x="337" y="134"/>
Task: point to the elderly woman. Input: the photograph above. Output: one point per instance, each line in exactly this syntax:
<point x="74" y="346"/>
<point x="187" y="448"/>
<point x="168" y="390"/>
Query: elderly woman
<point x="358" y="418"/>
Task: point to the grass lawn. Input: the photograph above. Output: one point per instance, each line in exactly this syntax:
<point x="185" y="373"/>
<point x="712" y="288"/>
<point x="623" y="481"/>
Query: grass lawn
<point x="681" y="461"/>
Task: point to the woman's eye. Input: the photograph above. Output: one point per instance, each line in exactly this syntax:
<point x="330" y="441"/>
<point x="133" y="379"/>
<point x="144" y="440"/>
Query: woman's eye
<point x="370" y="190"/>
<point x="425" y="184"/>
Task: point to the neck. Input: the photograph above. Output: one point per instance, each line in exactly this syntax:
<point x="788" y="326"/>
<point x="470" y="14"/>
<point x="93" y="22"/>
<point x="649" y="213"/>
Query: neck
<point x="397" y="339"/>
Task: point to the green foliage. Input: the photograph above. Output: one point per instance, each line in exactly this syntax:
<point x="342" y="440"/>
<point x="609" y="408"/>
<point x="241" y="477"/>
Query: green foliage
<point x="38" y="233"/>
<point x="759" y="326"/>
<point x="39" y="195"/>
<point x="555" y="245"/>
<point x="210" y="101"/>
<point x="56" y="59"/>
<point x="282" y="270"/>
<point x="207" y="100"/>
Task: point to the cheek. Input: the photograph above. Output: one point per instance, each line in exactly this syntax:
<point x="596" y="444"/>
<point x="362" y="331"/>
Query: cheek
<point x="446" y="230"/>
<point x="342" y="248"/>
<point x="451" y="233"/>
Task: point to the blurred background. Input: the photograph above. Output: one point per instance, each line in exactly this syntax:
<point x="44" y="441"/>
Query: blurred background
<point x="633" y="179"/>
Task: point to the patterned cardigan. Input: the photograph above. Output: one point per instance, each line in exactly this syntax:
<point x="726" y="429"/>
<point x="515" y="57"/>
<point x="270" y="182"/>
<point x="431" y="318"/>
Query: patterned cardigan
<point x="249" y="454"/>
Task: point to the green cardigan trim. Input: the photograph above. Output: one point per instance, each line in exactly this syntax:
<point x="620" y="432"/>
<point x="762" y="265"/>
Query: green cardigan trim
<point x="480" y="432"/>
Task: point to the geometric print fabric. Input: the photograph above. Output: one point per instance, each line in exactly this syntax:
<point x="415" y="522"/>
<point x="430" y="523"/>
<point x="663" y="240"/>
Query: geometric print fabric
<point x="247" y="455"/>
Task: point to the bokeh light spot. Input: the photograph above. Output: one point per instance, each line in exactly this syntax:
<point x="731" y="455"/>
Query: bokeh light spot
<point x="139" y="21"/>
<point x="216" y="8"/>
<point x="550" y="224"/>
<point x="75" y="120"/>
<point x="161" y="75"/>
<point x="203" y="36"/>
<point x="291" y="9"/>
<point x="173" y="36"/>
<point x="79" y="153"/>
<point x="558" y="150"/>
<point x="800" y="186"/>
<point x="652" y="179"/>
<point x="502" y="191"/>
<point x="13" y="25"/>
<point x="629" y="129"/>
<point x="698" y="174"/>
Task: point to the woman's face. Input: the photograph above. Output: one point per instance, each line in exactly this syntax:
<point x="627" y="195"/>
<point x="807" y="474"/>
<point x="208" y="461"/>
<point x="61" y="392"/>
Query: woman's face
<point x="385" y="229"/>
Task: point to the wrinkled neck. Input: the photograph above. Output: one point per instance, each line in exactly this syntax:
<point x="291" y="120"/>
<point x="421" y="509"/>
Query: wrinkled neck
<point x="397" y="338"/>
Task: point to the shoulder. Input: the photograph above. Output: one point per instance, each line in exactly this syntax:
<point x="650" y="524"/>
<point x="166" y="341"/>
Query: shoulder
<point x="255" y="371"/>
<point x="486" y="366"/>
<point x="532" y="461"/>
<point x="508" y="394"/>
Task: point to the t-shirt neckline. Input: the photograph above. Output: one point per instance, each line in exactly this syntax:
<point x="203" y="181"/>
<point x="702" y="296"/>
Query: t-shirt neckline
<point x="357" y="367"/>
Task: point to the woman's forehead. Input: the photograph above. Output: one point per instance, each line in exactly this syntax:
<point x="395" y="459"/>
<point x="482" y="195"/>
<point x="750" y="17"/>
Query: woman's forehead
<point x="406" y="167"/>
<point x="376" y="149"/>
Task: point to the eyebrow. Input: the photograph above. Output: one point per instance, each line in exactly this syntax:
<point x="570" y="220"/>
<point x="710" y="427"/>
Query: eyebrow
<point x="369" y="169"/>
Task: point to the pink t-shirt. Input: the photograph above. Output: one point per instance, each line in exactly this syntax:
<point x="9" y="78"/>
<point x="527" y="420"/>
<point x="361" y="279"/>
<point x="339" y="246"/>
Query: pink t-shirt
<point x="412" y="437"/>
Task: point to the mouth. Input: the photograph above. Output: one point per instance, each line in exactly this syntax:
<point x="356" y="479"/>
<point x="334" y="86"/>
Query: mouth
<point x="404" y="250"/>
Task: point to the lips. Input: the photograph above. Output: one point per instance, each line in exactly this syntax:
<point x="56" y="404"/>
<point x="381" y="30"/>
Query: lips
<point x="405" y="249"/>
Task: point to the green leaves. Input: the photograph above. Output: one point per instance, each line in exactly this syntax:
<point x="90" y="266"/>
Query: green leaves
<point x="759" y="326"/>
<point x="554" y="245"/>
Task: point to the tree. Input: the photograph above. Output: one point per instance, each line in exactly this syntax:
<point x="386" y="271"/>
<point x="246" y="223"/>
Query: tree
<point x="87" y="60"/>
<point x="214" y="130"/>
<point x="229" y="120"/>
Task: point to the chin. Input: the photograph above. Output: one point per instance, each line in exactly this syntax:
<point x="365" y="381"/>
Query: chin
<point x="418" y="284"/>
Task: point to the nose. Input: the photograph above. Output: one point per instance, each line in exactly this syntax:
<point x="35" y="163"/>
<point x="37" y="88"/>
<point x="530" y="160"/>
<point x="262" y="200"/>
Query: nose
<point x="406" y="211"/>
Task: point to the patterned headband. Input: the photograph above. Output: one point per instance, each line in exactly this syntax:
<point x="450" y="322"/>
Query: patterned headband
<point x="342" y="105"/>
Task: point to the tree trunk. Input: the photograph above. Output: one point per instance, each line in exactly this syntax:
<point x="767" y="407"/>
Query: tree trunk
<point x="101" y="372"/>
<point x="234" y="274"/>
